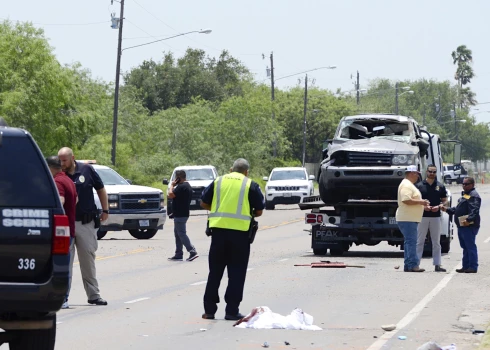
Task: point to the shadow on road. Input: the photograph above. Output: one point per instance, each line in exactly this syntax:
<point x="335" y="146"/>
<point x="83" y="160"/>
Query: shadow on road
<point x="358" y="254"/>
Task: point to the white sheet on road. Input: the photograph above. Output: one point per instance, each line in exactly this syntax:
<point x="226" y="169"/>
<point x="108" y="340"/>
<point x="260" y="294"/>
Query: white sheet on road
<point x="263" y="318"/>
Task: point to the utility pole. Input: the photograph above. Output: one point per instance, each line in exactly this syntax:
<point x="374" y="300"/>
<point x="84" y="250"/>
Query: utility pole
<point x="304" y="119"/>
<point x="116" y="92"/>
<point x="357" y="88"/>
<point x="274" y="141"/>
<point x="423" y="120"/>
<point x="455" y="123"/>
<point x="396" y="98"/>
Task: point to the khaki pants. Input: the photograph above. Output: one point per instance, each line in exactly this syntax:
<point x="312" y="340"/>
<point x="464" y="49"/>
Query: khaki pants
<point x="86" y="245"/>
<point x="434" y="226"/>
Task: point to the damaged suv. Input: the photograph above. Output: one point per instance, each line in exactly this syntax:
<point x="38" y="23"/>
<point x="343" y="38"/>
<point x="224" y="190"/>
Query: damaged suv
<point x="367" y="157"/>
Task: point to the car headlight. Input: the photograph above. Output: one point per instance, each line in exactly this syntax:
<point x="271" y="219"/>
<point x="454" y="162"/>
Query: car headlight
<point x="162" y="200"/>
<point x="403" y="159"/>
<point x="113" y="201"/>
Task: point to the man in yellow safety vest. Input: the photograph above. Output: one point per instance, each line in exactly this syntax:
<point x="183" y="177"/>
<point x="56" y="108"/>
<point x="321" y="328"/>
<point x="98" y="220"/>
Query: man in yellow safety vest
<point x="232" y="200"/>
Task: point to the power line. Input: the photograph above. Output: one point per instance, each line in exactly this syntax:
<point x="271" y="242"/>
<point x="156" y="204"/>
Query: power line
<point x="58" y="24"/>
<point x="144" y="31"/>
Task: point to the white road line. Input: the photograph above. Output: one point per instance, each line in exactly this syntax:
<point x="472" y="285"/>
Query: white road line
<point x="135" y="300"/>
<point x="487" y="240"/>
<point x="198" y="283"/>
<point x="250" y="269"/>
<point x="414" y="313"/>
<point x="284" y="259"/>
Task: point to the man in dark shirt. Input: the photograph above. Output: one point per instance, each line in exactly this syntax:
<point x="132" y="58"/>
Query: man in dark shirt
<point x="86" y="179"/>
<point x="233" y="200"/>
<point x="467" y="217"/>
<point x="69" y="199"/>
<point x="181" y="193"/>
<point x="436" y="194"/>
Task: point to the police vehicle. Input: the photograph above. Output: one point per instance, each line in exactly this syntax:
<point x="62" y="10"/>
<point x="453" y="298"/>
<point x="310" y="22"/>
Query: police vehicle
<point x="34" y="245"/>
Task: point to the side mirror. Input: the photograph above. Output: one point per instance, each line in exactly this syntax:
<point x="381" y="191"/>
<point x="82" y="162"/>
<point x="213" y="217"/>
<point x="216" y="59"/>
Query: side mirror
<point x="423" y="145"/>
<point x="165" y="181"/>
<point x="129" y="181"/>
<point x="311" y="177"/>
<point x="265" y="178"/>
<point x="457" y="154"/>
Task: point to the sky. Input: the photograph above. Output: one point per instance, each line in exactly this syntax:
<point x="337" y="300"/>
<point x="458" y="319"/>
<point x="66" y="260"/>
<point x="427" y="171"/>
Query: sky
<point x="390" y="39"/>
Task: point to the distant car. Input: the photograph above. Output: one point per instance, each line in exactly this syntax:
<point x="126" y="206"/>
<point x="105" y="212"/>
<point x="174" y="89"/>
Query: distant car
<point x="454" y="173"/>
<point x="287" y="186"/>
<point x="199" y="177"/>
<point x="138" y="209"/>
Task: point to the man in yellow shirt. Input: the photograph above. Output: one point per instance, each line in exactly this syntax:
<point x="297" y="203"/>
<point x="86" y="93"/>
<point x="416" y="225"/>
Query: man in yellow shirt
<point x="408" y="215"/>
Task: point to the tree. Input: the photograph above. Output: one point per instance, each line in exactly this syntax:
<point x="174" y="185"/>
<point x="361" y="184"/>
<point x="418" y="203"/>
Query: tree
<point x="463" y="58"/>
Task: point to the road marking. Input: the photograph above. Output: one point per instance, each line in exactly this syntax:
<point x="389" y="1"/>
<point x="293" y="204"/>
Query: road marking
<point x="136" y="300"/>
<point x="136" y="251"/>
<point x="281" y="224"/>
<point x="198" y="283"/>
<point x="487" y="240"/>
<point x="414" y="313"/>
<point x="284" y="259"/>
<point x="250" y="268"/>
<point x="58" y="322"/>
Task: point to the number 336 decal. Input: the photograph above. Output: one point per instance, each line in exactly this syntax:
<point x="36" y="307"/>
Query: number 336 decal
<point x="27" y="264"/>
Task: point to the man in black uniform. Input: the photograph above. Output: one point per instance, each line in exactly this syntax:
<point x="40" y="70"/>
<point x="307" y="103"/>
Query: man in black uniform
<point x="436" y="194"/>
<point x="87" y="219"/>
<point x="181" y="193"/>
<point x="232" y="199"/>
<point x="467" y="217"/>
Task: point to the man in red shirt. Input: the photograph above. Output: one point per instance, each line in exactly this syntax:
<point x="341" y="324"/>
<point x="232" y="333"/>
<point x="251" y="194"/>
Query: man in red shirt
<point x="69" y="199"/>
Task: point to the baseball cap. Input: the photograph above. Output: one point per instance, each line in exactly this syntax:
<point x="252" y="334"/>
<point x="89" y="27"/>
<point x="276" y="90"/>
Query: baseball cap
<point x="53" y="162"/>
<point x="412" y="169"/>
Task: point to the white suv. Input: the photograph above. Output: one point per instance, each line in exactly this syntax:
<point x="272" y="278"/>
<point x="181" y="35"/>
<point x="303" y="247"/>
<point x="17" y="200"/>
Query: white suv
<point x="199" y="177"/>
<point x="287" y="186"/>
<point x="138" y="209"/>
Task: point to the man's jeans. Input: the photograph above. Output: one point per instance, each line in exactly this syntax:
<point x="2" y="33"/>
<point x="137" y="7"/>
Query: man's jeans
<point x="467" y="240"/>
<point x="181" y="238"/>
<point x="409" y="231"/>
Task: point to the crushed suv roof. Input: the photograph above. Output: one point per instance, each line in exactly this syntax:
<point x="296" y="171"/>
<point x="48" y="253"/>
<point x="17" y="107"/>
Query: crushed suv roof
<point x="399" y="118"/>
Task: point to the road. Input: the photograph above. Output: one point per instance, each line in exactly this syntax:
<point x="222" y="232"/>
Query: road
<point x="157" y="304"/>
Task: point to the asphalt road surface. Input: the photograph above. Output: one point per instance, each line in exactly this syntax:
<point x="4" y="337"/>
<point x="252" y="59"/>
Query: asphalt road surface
<point x="157" y="304"/>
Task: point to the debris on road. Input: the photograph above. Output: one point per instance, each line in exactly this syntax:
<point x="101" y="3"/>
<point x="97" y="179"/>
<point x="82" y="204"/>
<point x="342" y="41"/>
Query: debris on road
<point x="203" y="329"/>
<point x="478" y="331"/>
<point x="286" y="343"/>
<point x="402" y="337"/>
<point x="265" y="345"/>
<point x="329" y="264"/>
<point x="434" y="346"/>
<point x="263" y="318"/>
<point x="388" y="327"/>
<point x="397" y="267"/>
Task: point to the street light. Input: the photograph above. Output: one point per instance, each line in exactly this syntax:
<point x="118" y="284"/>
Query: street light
<point x="118" y="72"/>
<point x="396" y="94"/>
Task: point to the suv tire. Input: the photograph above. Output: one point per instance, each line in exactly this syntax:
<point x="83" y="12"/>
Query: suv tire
<point x="143" y="233"/>
<point x="320" y="251"/>
<point x="269" y="205"/>
<point x="34" y="339"/>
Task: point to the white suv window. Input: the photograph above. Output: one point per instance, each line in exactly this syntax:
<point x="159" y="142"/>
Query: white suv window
<point x="288" y="175"/>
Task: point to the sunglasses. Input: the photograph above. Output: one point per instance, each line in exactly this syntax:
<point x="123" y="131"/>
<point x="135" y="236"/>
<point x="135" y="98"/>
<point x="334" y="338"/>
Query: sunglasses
<point x="432" y="172"/>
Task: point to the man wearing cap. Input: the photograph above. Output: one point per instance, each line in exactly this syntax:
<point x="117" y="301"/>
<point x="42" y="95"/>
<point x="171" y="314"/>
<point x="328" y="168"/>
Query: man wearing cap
<point x="69" y="199"/>
<point x="408" y="216"/>
<point x="436" y="194"/>
<point x="467" y="217"/>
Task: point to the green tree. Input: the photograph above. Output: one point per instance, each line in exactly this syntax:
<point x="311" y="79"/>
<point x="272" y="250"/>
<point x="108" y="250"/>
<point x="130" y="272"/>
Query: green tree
<point x="463" y="58"/>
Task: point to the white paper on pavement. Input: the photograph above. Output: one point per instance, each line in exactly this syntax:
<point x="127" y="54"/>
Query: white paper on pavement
<point x="263" y="318"/>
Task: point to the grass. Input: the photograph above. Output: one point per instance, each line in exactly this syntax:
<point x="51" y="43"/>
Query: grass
<point x="485" y="342"/>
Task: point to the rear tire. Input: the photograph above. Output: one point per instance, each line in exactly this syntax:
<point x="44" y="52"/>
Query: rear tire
<point x="143" y="233"/>
<point x="35" y="339"/>
<point x="101" y="234"/>
<point x="269" y="205"/>
<point x="320" y="251"/>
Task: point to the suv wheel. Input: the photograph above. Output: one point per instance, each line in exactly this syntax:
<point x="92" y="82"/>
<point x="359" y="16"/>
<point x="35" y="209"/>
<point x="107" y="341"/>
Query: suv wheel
<point x="34" y="339"/>
<point x="320" y="251"/>
<point x="143" y="233"/>
<point x="269" y="205"/>
<point x="101" y="234"/>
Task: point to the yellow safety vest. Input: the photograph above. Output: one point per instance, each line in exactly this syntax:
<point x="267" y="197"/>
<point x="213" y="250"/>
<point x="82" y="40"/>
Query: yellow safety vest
<point x="230" y="208"/>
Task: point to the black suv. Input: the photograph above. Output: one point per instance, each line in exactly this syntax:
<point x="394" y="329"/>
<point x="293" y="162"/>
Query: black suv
<point x="34" y="244"/>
